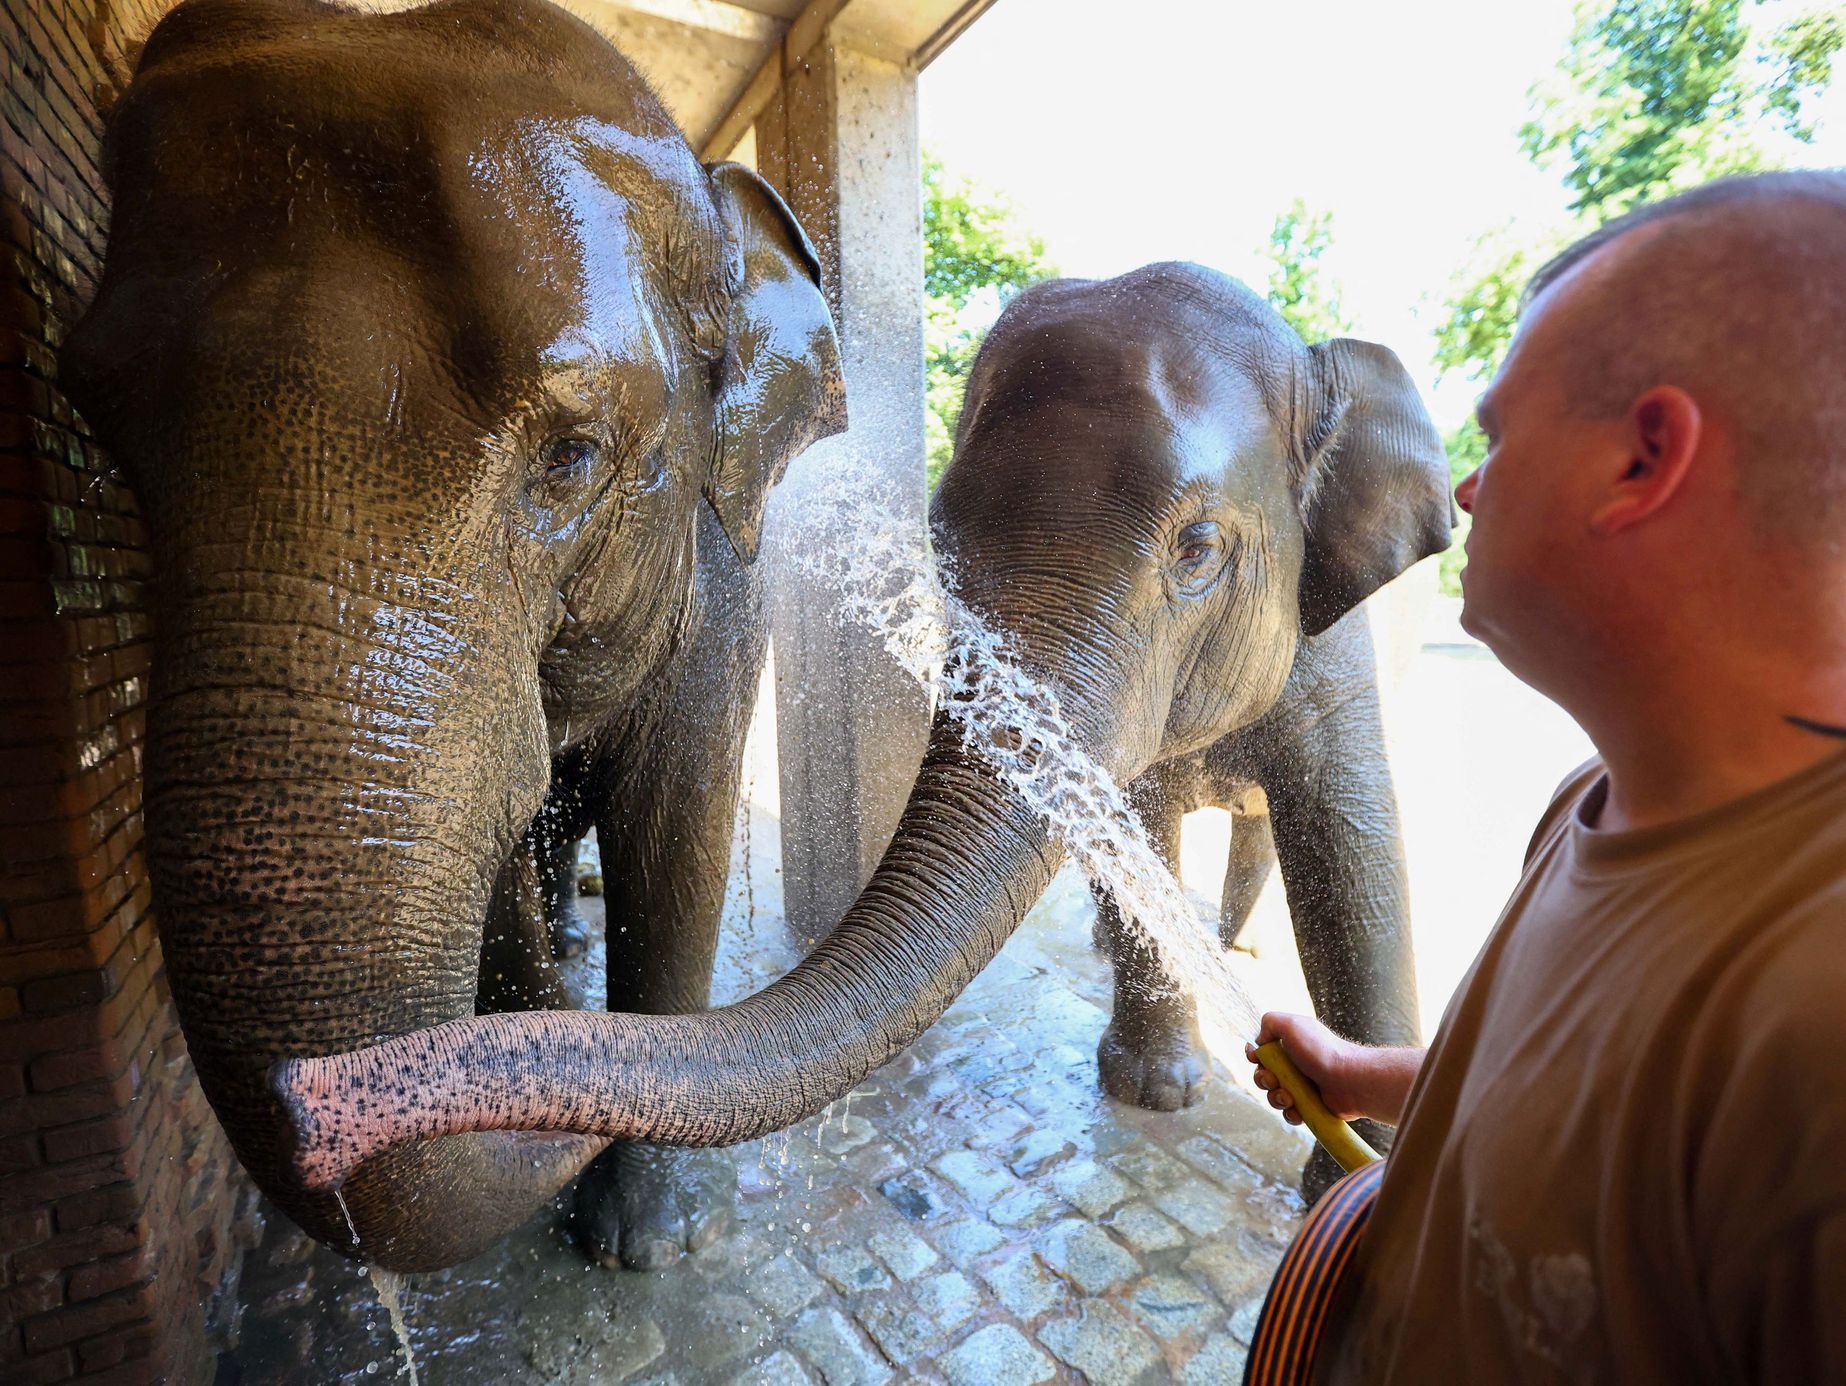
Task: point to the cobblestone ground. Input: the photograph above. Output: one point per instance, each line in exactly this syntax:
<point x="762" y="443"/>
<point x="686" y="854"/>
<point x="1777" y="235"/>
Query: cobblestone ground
<point x="976" y="1213"/>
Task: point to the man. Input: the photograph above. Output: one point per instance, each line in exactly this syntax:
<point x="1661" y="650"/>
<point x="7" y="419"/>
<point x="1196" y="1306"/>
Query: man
<point x="1624" y="1158"/>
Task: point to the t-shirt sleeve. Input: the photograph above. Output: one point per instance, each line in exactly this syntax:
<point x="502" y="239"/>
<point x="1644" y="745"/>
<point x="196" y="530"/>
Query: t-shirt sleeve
<point x="1769" y="1205"/>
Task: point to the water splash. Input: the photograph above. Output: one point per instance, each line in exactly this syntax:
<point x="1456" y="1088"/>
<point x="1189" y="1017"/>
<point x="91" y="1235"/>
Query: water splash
<point x="390" y="1287"/>
<point x="1016" y="724"/>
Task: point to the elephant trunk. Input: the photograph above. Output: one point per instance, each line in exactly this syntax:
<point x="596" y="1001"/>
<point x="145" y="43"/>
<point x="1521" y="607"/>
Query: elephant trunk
<point x="323" y="853"/>
<point x="967" y="861"/>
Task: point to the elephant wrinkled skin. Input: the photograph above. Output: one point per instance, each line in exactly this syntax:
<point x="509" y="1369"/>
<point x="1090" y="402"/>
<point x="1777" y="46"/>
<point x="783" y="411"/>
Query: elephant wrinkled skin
<point x="453" y="387"/>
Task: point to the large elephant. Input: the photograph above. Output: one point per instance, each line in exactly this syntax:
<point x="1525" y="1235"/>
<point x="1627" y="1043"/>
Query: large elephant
<point x="453" y="387"/>
<point x="1168" y="503"/>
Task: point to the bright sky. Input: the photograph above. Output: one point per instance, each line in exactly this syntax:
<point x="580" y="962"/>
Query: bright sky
<point x="1178" y="129"/>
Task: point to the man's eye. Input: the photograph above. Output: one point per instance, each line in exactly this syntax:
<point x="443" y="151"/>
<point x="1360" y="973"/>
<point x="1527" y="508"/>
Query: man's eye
<point x="563" y="454"/>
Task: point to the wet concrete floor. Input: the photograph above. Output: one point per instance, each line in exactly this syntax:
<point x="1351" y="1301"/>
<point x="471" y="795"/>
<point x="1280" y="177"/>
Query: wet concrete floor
<point x="977" y="1213"/>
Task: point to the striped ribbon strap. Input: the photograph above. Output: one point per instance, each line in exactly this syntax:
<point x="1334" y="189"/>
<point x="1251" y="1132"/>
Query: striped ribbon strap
<point x="1294" y="1315"/>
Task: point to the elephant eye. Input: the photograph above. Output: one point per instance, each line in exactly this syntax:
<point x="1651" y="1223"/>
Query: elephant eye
<point x="568" y="453"/>
<point x="1196" y="551"/>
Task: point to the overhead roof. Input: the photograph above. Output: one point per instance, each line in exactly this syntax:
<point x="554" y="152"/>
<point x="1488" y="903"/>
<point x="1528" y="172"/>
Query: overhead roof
<point x="716" y="63"/>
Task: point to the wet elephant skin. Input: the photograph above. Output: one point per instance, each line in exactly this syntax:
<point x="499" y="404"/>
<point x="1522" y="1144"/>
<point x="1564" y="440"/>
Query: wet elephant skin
<point x="1175" y="505"/>
<point x="452" y="387"/>
<point x="1172" y="506"/>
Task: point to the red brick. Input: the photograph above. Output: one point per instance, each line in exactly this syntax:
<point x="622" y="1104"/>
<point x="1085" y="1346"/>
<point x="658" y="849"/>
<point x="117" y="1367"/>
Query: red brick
<point x="119" y="1201"/>
<point x="99" y="1137"/>
<point x="77" y="1321"/>
<point x="107" y="1276"/>
<point x="28" y="1297"/>
<point x="66" y="1249"/>
<point x="43" y="1370"/>
<point x="80" y="1066"/>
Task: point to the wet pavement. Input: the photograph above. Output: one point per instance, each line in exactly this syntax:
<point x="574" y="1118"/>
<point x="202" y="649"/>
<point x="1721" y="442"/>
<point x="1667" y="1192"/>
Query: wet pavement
<point x="975" y="1213"/>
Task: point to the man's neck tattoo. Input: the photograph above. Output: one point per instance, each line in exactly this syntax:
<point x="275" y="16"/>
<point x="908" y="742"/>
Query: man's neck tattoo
<point x="1818" y="728"/>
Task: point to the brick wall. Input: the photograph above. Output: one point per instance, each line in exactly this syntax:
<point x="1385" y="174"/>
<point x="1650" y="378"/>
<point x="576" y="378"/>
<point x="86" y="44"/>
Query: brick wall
<point x="122" y="1211"/>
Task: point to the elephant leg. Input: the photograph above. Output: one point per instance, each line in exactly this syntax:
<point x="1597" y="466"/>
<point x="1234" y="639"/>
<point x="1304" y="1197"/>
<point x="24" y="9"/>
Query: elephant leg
<point x="666" y="835"/>
<point x="518" y="972"/>
<point x="1151" y="1054"/>
<point x="1342" y="857"/>
<point x="1253" y="857"/>
<point x="568" y="932"/>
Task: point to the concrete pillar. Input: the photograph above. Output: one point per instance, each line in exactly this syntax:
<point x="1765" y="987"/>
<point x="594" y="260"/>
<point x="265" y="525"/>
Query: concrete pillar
<point x="840" y="142"/>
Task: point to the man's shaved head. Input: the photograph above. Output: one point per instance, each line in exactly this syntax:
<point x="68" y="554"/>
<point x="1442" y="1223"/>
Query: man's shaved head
<point x="1736" y="293"/>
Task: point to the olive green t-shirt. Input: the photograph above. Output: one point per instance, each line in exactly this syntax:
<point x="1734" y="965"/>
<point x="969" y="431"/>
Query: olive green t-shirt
<point x="1624" y="1160"/>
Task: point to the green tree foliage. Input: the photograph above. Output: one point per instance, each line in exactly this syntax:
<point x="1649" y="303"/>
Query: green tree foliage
<point x="1651" y="96"/>
<point x="1298" y="285"/>
<point x="975" y="257"/>
<point x="1466" y="446"/>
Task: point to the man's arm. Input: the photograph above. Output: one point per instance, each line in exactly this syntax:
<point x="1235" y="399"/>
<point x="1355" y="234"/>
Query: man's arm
<point x="1355" y="1080"/>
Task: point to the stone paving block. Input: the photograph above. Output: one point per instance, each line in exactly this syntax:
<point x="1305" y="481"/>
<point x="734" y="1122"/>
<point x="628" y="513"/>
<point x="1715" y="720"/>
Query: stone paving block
<point x="966" y="1240"/>
<point x="901" y="1332"/>
<point x="1219" y="1361"/>
<point x="1233" y="1278"/>
<point x="1144" y="1229"/>
<point x="1039" y="1152"/>
<point x="1088" y="1256"/>
<point x="1002" y="1123"/>
<point x="777" y="1369"/>
<point x="1268" y="1144"/>
<point x="1026" y="1207"/>
<point x="1207" y="1156"/>
<point x="834" y="1349"/>
<point x="1101" y="1343"/>
<point x="1023" y="1284"/>
<point x="1171" y="1306"/>
<point x="1154" y="1170"/>
<point x="917" y="1194"/>
<point x="997" y="1355"/>
<point x="722" y="1328"/>
<point x="876" y="1161"/>
<point x="907" y="1254"/>
<point x="1197" y="1207"/>
<point x="979" y="1177"/>
<point x="1243" y="1320"/>
<point x="948" y="1298"/>
<point x="1093" y="1189"/>
<point x="851" y="1268"/>
<point x="782" y="1285"/>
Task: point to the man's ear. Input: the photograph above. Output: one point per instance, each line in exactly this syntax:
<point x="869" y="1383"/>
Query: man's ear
<point x="1376" y="486"/>
<point x="780" y="388"/>
<point x="1662" y="431"/>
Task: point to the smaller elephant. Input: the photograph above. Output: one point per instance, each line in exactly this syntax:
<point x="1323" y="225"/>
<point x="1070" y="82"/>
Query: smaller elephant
<point x="1174" y="507"/>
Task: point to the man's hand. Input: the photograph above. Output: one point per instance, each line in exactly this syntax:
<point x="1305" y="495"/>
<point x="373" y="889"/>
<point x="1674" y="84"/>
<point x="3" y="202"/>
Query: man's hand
<point x="1355" y="1080"/>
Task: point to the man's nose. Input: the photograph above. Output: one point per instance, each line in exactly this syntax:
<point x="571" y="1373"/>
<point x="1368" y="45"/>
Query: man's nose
<point x="1464" y="493"/>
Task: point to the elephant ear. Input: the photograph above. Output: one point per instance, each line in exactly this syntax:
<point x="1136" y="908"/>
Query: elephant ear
<point x="780" y="388"/>
<point x="1376" y="490"/>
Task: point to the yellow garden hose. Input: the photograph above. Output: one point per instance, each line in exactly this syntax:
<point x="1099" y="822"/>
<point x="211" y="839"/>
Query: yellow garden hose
<point x="1343" y="1143"/>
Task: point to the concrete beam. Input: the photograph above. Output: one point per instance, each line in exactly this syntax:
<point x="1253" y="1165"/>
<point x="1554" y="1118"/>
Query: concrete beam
<point x="839" y="140"/>
<point x="765" y="83"/>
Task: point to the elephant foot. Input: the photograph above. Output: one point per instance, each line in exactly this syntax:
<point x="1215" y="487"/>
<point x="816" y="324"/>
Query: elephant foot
<point x="1159" y="1064"/>
<point x="570" y="933"/>
<point x="642" y="1207"/>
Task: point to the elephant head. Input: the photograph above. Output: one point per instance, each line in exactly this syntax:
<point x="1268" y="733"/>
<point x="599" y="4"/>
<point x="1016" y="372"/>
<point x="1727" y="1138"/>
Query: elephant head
<point x="423" y="339"/>
<point x="1157" y="489"/>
